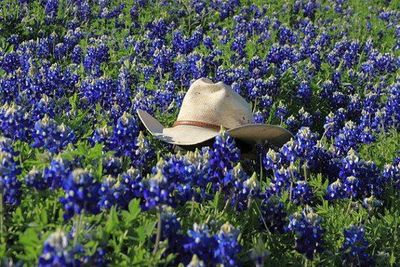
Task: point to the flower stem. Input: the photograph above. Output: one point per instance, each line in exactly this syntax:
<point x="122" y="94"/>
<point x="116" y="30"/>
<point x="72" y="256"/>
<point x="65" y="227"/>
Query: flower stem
<point x="1" y="219"/>
<point x="158" y="236"/>
<point x="78" y="224"/>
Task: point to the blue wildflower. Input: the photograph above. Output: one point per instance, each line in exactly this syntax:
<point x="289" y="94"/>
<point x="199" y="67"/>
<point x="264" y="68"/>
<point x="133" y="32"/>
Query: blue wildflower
<point x="34" y="179"/>
<point x="355" y="246"/>
<point x="228" y="246"/>
<point x="81" y="194"/>
<point x="273" y="214"/>
<point x="302" y="193"/>
<point x="56" y="172"/>
<point x="124" y="135"/>
<point x="308" y="232"/>
<point x="9" y="185"/>
<point x="51" y="136"/>
<point x="55" y="251"/>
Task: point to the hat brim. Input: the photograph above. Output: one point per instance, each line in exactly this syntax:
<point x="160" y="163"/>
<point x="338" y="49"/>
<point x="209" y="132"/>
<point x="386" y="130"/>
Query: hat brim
<point x="191" y="135"/>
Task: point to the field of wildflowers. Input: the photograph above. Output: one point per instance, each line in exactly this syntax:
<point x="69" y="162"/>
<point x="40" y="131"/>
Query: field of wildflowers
<point x="83" y="184"/>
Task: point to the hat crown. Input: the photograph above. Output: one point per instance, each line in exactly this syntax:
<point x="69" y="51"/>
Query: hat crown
<point x="215" y="103"/>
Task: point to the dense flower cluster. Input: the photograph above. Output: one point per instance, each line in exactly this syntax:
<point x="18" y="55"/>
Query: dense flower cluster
<point x="221" y="248"/>
<point x="55" y="251"/>
<point x="10" y="186"/>
<point x="355" y="247"/>
<point x="73" y="74"/>
<point x="51" y="136"/>
<point x="81" y="193"/>
<point x="308" y="232"/>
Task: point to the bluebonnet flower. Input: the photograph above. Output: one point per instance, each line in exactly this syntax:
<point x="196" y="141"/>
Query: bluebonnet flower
<point x="6" y="146"/>
<point x="244" y="188"/>
<point x="132" y="180"/>
<point x="144" y="153"/>
<point x="309" y="8"/>
<point x="304" y="144"/>
<point x="201" y="243"/>
<point x="348" y="138"/>
<point x="109" y="191"/>
<point x="15" y="122"/>
<point x="392" y="107"/>
<point x="308" y="232"/>
<point x="301" y="193"/>
<point x="334" y="122"/>
<point x="51" y="8"/>
<point x="281" y="111"/>
<point x="121" y="190"/>
<point x="292" y="123"/>
<point x="357" y="179"/>
<point x="371" y="203"/>
<point x="10" y="62"/>
<point x="124" y="134"/>
<point x="170" y="225"/>
<point x="112" y="165"/>
<point x="304" y="92"/>
<point x="94" y="57"/>
<point x="288" y="153"/>
<point x="100" y="135"/>
<point x="285" y="35"/>
<point x="271" y="160"/>
<point x="106" y="14"/>
<point x="352" y="186"/>
<point x="55" y="251"/>
<point x="391" y="173"/>
<point x="51" y="136"/>
<point x="56" y="172"/>
<point x="45" y="106"/>
<point x="228" y="246"/>
<point x="335" y="190"/>
<point x="81" y="194"/>
<point x="221" y="248"/>
<point x="34" y="178"/>
<point x="305" y="118"/>
<point x="9" y="185"/>
<point x="265" y="102"/>
<point x="281" y="180"/>
<point x="355" y="247"/>
<point x="273" y="214"/>
<point x="76" y="54"/>
<point x="222" y="157"/>
<point x="60" y="51"/>
<point x="259" y="117"/>
<point x="171" y="183"/>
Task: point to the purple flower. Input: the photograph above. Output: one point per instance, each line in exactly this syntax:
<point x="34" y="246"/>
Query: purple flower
<point x="221" y="159"/>
<point x="51" y="136"/>
<point x="304" y="92"/>
<point x="302" y="193"/>
<point x="15" y="123"/>
<point x="355" y="246"/>
<point x="308" y="232"/>
<point x="9" y="185"/>
<point x="34" y="179"/>
<point x="56" y="173"/>
<point x="273" y="215"/>
<point x="81" y="194"/>
<point x="124" y="134"/>
<point x="55" y="251"/>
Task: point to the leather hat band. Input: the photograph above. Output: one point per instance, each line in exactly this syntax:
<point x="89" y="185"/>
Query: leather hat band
<point x="198" y="124"/>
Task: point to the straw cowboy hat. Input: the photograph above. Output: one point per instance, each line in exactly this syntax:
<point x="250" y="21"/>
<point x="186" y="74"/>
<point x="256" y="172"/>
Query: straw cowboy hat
<point x="205" y="108"/>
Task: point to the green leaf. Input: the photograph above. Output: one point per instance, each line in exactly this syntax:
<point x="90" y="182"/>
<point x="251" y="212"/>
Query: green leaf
<point x="112" y="223"/>
<point x="30" y="243"/>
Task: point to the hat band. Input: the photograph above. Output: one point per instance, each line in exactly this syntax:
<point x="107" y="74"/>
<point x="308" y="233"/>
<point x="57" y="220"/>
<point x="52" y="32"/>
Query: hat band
<point x="198" y="124"/>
